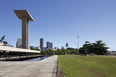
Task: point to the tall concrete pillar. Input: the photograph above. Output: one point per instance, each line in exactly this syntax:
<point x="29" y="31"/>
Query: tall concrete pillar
<point x="25" y="17"/>
<point x="24" y="32"/>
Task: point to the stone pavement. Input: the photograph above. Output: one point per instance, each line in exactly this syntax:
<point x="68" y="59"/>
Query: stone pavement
<point x="44" y="68"/>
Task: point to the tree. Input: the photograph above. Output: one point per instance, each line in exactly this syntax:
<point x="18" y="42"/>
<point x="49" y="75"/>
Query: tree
<point x="43" y="52"/>
<point x="96" y="48"/>
<point x="87" y="42"/>
<point x="62" y="48"/>
<point x="85" y="48"/>
<point x="100" y="48"/>
<point x="66" y="44"/>
<point x="81" y="51"/>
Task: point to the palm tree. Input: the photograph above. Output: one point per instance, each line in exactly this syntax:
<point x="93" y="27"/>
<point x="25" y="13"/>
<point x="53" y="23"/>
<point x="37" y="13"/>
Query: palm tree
<point x="67" y="45"/>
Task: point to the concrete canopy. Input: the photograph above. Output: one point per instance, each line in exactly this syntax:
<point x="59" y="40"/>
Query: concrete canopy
<point x="23" y="13"/>
<point x="12" y="49"/>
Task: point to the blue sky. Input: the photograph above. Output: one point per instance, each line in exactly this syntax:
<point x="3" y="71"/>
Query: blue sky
<point x="61" y="21"/>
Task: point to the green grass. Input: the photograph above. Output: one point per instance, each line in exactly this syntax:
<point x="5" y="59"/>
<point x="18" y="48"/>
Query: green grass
<point x="88" y="66"/>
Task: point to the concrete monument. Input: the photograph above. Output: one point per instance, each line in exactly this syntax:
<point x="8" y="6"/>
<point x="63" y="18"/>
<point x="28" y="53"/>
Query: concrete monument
<point x="25" y="17"/>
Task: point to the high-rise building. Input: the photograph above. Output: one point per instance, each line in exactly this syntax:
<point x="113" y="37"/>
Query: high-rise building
<point x="19" y="43"/>
<point x="49" y="45"/>
<point x="41" y="43"/>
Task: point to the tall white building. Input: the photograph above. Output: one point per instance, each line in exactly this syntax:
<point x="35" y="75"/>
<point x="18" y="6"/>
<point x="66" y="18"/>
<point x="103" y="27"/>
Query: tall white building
<point x="19" y="43"/>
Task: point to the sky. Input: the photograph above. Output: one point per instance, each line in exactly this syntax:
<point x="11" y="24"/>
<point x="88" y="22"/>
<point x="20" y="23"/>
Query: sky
<point x="61" y="21"/>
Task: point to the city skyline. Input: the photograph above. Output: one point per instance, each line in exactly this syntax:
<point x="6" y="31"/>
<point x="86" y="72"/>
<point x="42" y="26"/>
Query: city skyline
<point x="62" y="21"/>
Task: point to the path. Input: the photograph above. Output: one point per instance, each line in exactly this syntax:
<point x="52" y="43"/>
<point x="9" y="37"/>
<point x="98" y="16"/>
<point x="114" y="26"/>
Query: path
<point x="44" y="68"/>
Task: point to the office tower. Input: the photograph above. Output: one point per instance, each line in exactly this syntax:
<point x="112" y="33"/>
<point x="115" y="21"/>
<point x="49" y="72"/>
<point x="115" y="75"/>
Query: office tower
<point x="41" y="43"/>
<point x="49" y="45"/>
<point x="19" y="43"/>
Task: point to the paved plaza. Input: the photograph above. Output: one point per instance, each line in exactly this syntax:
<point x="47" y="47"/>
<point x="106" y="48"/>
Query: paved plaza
<point x="43" y="68"/>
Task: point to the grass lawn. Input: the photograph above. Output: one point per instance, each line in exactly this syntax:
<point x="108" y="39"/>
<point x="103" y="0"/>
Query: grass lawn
<point x="88" y="66"/>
